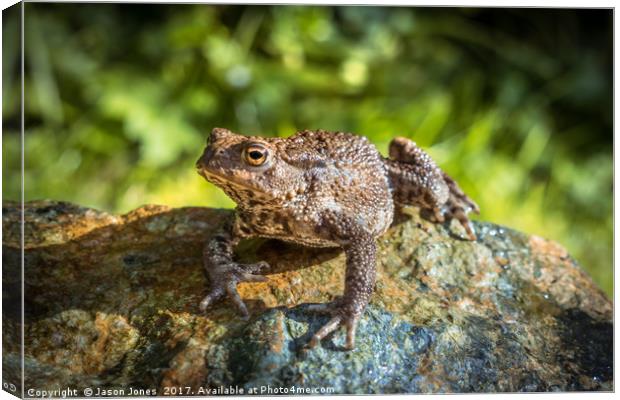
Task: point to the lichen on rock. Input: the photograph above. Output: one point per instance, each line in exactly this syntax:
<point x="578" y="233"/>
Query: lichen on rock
<point x="112" y="301"/>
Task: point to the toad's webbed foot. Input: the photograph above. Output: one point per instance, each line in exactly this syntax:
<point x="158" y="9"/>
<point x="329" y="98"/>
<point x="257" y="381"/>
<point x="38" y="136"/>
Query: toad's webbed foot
<point x="340" y="317"/>
<point x="224" y="279"/>
<point x="458" y="206"/>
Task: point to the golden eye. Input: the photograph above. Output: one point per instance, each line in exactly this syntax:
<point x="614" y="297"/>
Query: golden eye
<point x="255" y="155"/>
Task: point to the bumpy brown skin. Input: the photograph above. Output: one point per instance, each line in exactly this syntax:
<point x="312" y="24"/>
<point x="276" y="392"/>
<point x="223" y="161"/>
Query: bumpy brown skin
<point x="322" y="189"/>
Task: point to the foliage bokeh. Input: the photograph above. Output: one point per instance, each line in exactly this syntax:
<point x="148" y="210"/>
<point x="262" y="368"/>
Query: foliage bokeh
<point x="516" y="104"/>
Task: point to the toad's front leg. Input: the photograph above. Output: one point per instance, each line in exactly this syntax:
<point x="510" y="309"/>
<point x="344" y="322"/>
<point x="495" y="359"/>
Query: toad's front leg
<point x="224" y="274"/>
<point x="361" y="253"/>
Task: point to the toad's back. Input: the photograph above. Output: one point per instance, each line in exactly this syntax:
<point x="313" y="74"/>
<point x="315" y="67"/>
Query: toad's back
<point x="348" y="177"/>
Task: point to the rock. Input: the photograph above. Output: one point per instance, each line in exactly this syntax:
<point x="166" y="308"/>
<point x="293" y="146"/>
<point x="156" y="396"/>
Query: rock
<point x="112" y="302"/>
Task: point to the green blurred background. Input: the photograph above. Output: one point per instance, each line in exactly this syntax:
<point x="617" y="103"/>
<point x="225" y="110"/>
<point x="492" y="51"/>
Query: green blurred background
<point x="516" y="104"/>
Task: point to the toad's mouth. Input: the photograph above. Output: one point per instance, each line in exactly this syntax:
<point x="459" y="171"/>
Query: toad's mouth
<point x="222" y="180"/>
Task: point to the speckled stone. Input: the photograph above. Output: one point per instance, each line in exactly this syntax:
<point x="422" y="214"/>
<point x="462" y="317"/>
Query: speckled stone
<point x="112" y="301"/>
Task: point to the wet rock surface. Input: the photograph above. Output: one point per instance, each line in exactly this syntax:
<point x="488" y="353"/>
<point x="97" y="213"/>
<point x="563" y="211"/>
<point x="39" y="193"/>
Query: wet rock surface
<point x="112" y="302"/>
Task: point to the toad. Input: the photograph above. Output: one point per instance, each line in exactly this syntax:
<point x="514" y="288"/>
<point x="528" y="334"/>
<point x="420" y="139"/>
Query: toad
<point x="321" y="189"/>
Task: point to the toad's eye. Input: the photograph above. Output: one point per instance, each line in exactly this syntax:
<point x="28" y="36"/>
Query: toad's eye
<point x="255" y="155"/>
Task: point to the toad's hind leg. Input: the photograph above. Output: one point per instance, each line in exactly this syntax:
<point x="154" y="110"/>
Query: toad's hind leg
<point x="418" y="181"/>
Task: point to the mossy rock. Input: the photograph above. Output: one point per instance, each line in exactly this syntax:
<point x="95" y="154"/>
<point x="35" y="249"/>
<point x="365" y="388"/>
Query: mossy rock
<point x="112" y="301"/>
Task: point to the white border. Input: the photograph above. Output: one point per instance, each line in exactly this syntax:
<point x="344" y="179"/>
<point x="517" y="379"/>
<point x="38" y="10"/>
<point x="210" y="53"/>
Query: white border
<point x="461" y="3"/>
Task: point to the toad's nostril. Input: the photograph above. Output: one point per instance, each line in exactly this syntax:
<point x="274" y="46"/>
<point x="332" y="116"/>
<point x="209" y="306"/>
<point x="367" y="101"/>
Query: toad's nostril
<point x="205" y="158"/>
